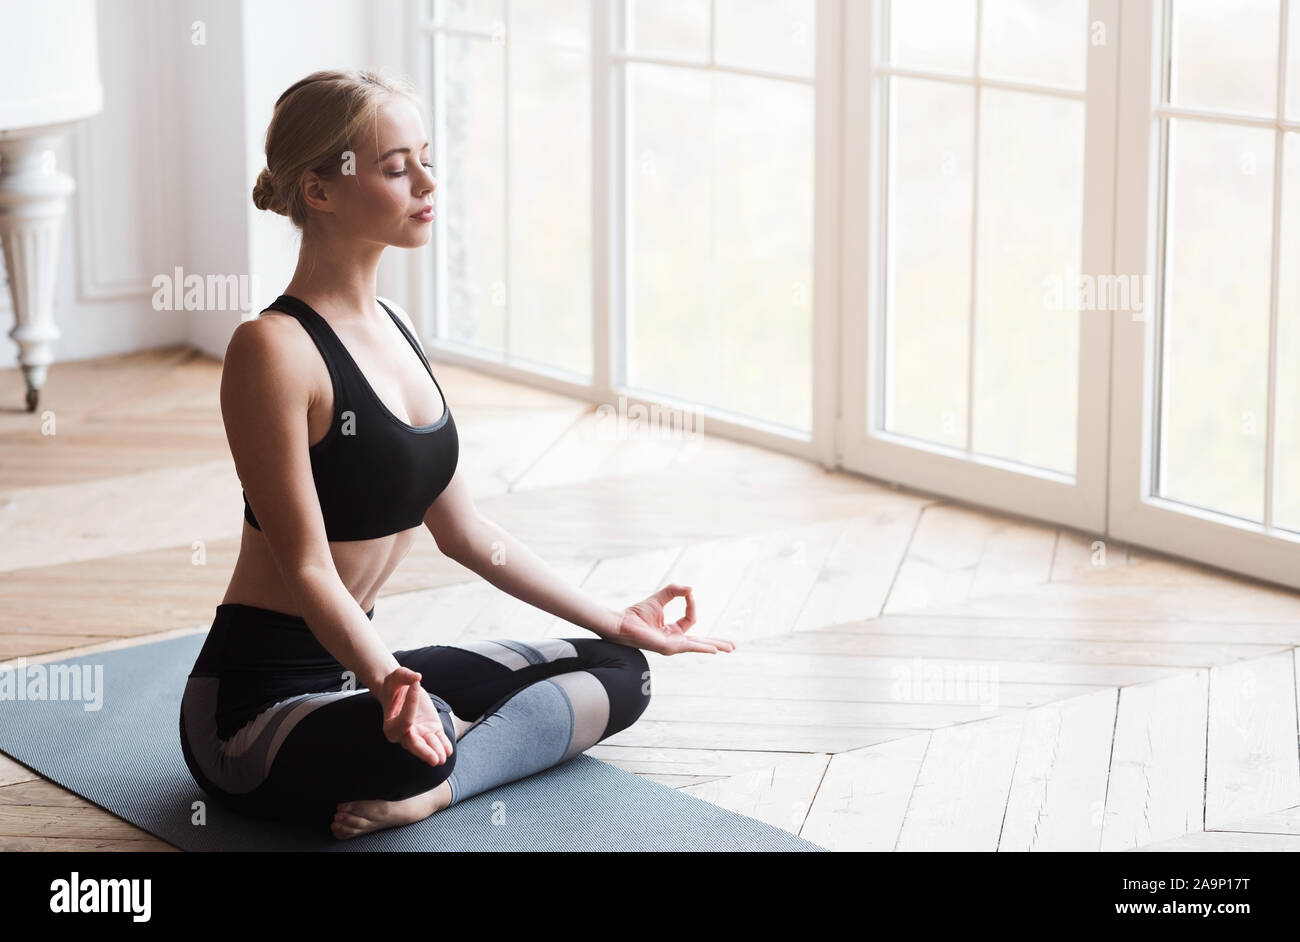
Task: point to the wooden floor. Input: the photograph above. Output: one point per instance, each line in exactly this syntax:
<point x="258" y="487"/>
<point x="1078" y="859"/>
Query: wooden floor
<point x="911" y="674"/>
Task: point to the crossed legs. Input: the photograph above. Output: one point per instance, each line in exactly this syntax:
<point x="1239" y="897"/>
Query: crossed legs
<point x="515" y="708"/>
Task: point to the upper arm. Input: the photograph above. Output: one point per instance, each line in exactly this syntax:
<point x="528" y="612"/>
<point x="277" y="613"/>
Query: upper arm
<point x="265" y="395"/>
<point x="452" y="517"/>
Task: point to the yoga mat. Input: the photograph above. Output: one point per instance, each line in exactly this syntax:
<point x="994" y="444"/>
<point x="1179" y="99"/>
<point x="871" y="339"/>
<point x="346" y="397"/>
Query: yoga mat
<point x="115" y="741"/>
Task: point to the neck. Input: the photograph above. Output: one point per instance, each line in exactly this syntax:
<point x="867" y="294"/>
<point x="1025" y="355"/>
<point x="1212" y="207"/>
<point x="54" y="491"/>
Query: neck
<point x="337" y="276"/>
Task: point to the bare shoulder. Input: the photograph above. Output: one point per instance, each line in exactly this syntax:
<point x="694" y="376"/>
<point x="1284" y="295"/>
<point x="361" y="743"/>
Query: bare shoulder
<point x="268" y="352"/>
<point x="274" y="335"/>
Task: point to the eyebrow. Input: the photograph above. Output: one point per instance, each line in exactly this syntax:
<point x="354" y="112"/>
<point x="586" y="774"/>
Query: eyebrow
<point x="399" y="150"/>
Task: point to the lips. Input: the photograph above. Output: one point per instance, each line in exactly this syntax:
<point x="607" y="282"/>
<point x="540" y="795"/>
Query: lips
<point x="423" y="215"/>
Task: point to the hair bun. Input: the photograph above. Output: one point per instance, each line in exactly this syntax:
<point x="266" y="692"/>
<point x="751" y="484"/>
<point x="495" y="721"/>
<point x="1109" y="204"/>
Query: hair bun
<point x="264" y="193"/>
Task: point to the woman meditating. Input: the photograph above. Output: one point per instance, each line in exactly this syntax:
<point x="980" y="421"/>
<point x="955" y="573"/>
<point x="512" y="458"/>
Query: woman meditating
<point x="295" y="709"/>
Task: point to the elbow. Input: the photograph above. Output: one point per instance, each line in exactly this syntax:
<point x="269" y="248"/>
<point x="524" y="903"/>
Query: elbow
<point x="310" y="581"/>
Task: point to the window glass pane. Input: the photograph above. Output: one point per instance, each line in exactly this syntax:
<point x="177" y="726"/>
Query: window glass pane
<point x="671" y="332"/>
<point x="929" y="233"/>
<point x="471" y="14"/>
<point x="1030" y="232"/>
<point x="719" y="304"/>
<point x="932" y="34"/>
<point x="1225" y="55"/>
<point x="1039" y="41"/>
<point x="471" y="190"/>
<point x="1286" y="472"/>
<point x="777" y="35"/>
<point x="550" y="183"/>
<point x="764" y="242"/>
<point x="1293" y="64"/>
<point x="1215" y="348"/>
<point x="677" y="28"/>
<point x="559" y="24"/>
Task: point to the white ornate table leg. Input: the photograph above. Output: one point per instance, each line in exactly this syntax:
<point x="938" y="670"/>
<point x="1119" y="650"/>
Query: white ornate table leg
<point x="33" y="200"/>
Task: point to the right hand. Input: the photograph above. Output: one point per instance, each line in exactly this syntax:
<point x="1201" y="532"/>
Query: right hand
<point x="412" y="719"/>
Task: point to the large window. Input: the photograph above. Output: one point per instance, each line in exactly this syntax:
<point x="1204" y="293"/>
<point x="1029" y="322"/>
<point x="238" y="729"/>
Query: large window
<point x="1229" y="426"/>
<point x="1039" y="255"/>
<point x="712" y="194"/>
<point x="719" y="203"/>
<point x="984" y="111"/>
<point x="512" y="146"/>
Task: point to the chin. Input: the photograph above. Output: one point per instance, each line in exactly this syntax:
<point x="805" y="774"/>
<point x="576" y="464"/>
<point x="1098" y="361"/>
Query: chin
<point x="412" y="242"/>
<point x="405" y="240"/>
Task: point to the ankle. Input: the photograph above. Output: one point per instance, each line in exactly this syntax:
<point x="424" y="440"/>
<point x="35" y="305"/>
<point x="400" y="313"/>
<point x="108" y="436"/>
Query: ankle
<point x="440" y="797"/>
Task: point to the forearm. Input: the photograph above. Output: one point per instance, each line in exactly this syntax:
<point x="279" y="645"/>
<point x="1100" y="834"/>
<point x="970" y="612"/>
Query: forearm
<point x="513" y="568"/>
<point x="342" y="627"/>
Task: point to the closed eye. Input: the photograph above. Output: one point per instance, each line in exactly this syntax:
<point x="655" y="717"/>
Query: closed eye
<point x="402" y="173"/>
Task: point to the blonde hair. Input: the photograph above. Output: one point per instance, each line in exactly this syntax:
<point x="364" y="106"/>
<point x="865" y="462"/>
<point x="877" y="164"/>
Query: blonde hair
<point x="316" y="121"/>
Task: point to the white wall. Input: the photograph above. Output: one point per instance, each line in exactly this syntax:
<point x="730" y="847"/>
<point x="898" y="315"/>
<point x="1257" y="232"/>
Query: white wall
<point x="165" y="173"/>
<point x="117" y="226"/>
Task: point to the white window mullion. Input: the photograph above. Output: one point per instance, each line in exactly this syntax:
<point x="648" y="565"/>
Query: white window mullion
<point x="972" y="324"/>
<point x="507" y="289"/>
<point x="1279" y="172"/>
<point x="605" y="14"/>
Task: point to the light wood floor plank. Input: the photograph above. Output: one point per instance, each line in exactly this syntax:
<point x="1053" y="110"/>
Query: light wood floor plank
<point x="961" y="792"/>
<point x="1058" y="789"/>
<point x="467" y="611"/>
<point x="779" y="796"/>
<point x="598" y="445"/>
<point x="68" y="522"/>
<point x="82" y="822"/>
<point x="619" y="582"/>
<point x="1286" y="821"/>
<point x="814" y="713"/>
<point x="679" y="682"/>
<point x="1110" y="598"/>
<point x="1227" y="842"/>
<point x="1013" y="649"/>
<point x="1271" y="637"/>
<point x="1157" y="773"/>
<point x="754" y="736"/>
<point x="775" y="584"/>
<point x="26" y="843"/>
<point x="707" y="763"/>
<point x="958" y="553"/>
<point x="748" y="660"/>
<point x="864" y="796"/>
<point x="855" y="580"/>
<point x="1252" y="762"/>
<point x="12" y="772"/>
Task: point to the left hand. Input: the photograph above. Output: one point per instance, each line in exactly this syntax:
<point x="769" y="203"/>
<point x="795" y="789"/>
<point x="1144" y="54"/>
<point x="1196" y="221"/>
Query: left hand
<point x="643" y="626"/>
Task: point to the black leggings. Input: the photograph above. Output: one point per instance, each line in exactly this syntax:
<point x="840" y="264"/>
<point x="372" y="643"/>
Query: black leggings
<point x="273" y="726"/>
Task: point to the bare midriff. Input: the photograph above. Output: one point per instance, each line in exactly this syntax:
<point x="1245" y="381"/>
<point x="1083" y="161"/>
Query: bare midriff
<point x="363" y="565"/>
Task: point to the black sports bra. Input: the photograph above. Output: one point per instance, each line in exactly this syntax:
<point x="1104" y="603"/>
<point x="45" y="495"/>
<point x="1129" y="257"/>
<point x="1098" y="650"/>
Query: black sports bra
<point x="375" y="475"/>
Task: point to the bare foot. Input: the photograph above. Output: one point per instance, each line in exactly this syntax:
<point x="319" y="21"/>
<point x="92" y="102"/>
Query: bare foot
<point x="362" y="817"/>
<point x="354" y="818"/>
